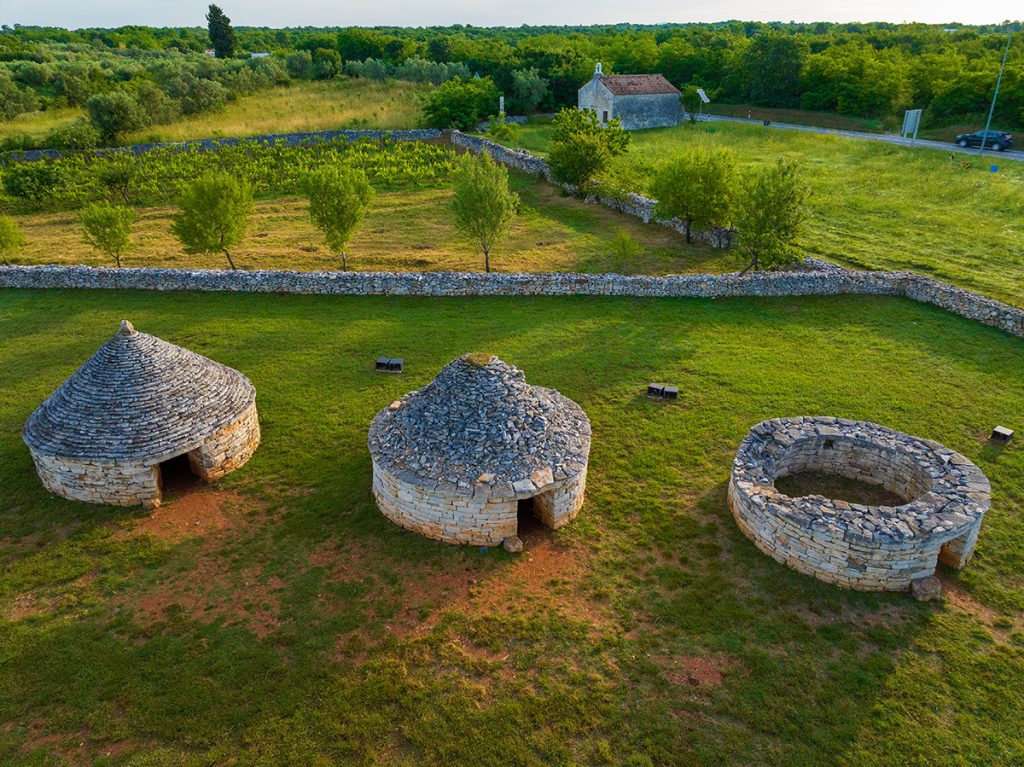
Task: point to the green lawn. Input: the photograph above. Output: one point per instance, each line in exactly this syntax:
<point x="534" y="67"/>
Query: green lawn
<point x="279" y="619"/>
<point x="875" y="206"/>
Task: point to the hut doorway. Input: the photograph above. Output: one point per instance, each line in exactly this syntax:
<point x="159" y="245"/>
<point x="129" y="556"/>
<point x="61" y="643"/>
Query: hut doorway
<point x="530" y="522"/>
<point x="176" y="476"/>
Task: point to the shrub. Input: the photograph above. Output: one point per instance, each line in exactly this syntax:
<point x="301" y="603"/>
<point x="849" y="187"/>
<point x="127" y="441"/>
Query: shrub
<point x="770" y="214"/>
<point x="461" y="104"/>
<point x="300" y="65"/>
<point x="114" y="113"/>
<point x="77" y="135"/>
<point x="118" y="175"/>
<point x="13" y="99"/>
<point x="326" y="64"/>
<point x="11" y="238"/>
<point x="214" y="215"/>
<point x="108" y="228"/>
<point x="338" y="199"/>
<point x="527" y="91"/>
<point x="503" y="130"/>
<point x="581" y="149"/>
<point x="35" y="181"/>
<point x="697" y="187"/>
<point x="483" y="204"/>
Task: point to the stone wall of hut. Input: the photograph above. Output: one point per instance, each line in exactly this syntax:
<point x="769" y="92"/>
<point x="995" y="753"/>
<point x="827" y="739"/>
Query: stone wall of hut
<point x="477" y="519"/>
<point x="115" y="484"/>
<point x="228" y="449"/>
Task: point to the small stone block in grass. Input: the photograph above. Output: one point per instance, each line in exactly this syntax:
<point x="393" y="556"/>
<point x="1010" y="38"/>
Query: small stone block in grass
<point x="655" y="390"/>
<point x="1001" y="434"/>
<point x="389" y="365"/>
<point x="670" y="392"/>
<point x="926" y="589"/>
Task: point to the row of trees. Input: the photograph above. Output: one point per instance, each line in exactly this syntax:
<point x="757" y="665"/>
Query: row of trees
<point x="860" y="70"/>
<point x="700" y="187"/>
<point x="214" y="212"/>
<point x="856" y="69"/>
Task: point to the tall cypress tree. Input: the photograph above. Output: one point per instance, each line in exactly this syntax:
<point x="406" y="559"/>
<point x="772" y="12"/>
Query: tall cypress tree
<point x="221" y="34"/>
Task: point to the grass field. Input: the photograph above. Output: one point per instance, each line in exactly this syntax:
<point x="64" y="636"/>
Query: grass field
<point x="407" y="230"/>
<point x="875" y="206"/>
<point x="278" y="619"/>
<point x="301" y="106"/>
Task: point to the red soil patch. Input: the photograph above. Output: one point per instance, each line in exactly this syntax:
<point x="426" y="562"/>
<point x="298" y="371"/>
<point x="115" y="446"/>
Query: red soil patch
<point x="695" y="671"/>
<point x="75" y="748"/>
<point x="211" y="590"/>
<point x="198" y="512"/>
<point x="956" y="597"/>
<point x="545" y="577"/>
<point x="28" y="604"/>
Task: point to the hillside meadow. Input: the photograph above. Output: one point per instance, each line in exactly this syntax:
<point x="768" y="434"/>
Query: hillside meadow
<point x="277" y="618"/>
<point x="874" y="206"/>
<point x="345" y="102"/>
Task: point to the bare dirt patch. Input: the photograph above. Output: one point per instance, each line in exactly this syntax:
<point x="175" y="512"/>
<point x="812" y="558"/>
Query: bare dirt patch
<point x="695" y="670"/>
<point x="956" y="597"/>
<point x="198" y="512"/>
<point x="210" y="590"/>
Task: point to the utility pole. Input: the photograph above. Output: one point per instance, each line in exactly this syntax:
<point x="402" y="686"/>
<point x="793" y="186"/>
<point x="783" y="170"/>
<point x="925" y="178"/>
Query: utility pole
<point x="991" y="109"/>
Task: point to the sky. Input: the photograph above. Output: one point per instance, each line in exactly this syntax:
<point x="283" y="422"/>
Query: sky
<point x="275" y="13"/>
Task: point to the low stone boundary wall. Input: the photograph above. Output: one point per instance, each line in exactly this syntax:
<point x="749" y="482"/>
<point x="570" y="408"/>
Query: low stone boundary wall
<point x="210" y="144"/>
<point x="795" y="283"/>
<point x="632" y="204"/>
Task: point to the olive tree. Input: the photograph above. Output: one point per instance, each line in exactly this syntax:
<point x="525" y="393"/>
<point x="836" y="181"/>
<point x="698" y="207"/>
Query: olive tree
<point x="581" y="148"/>
<point x="696" y="187"/>
<point x="214" y="215"/>
<point x="11" y="238"/>
<point x="338" y="199"/>
<point x="770" y="214"/>
<point x="483" y="204"/>
<point x="108" y="228"/>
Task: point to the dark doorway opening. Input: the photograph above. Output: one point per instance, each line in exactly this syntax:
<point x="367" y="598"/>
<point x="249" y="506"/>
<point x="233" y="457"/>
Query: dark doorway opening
<point x="528" y="521"/>
<point x="176" y="477"/>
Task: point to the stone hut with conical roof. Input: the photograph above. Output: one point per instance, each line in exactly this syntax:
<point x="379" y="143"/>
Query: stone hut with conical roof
<point x="135" y="404"/>
<point x="454" y="459"/>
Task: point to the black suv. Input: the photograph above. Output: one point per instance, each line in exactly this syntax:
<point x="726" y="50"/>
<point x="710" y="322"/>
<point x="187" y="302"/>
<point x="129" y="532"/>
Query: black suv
<point x="995" y="140"/>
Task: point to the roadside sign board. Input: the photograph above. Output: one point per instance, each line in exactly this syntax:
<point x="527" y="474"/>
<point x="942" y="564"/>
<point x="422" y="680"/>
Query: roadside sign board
<point x="911" y="122"/>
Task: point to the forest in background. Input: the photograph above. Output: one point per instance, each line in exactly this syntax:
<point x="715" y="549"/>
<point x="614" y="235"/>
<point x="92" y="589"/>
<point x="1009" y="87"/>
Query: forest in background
<point x="864" y="70"/>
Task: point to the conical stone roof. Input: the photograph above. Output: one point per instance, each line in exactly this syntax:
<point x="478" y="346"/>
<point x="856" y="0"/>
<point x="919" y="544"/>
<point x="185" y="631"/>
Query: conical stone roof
<point x="138" y="398"/>
<point x="479" y="423"/>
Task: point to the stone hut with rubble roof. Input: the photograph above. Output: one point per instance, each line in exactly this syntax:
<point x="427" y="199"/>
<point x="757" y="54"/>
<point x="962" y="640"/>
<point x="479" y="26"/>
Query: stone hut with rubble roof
<point x="639" y="101"/>
<point x="137" y="403"/>
<point x="454" y="459"/>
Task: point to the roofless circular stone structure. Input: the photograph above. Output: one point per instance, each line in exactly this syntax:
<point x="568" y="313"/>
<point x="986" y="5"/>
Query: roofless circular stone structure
<point x="454" y="459"/>
<point x="869" y="548"/>
<point x="135" y="404"/>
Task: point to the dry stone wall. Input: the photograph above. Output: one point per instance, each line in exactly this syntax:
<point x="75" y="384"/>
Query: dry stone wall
<point x="476" y="520"/>
<point x="114" y="484"/>
<point x="559" y="506"/>
<point x="817" y="282"/>
<point x="869" y="548"/>
<point x="631" y="204"/>
<point x="228" y="449"/>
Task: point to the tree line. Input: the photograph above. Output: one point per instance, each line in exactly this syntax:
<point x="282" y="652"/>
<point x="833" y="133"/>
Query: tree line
<point x="866" y="70"/>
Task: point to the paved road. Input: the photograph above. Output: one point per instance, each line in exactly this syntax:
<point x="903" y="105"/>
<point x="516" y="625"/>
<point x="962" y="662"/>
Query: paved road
<point x="994" y="157"/>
